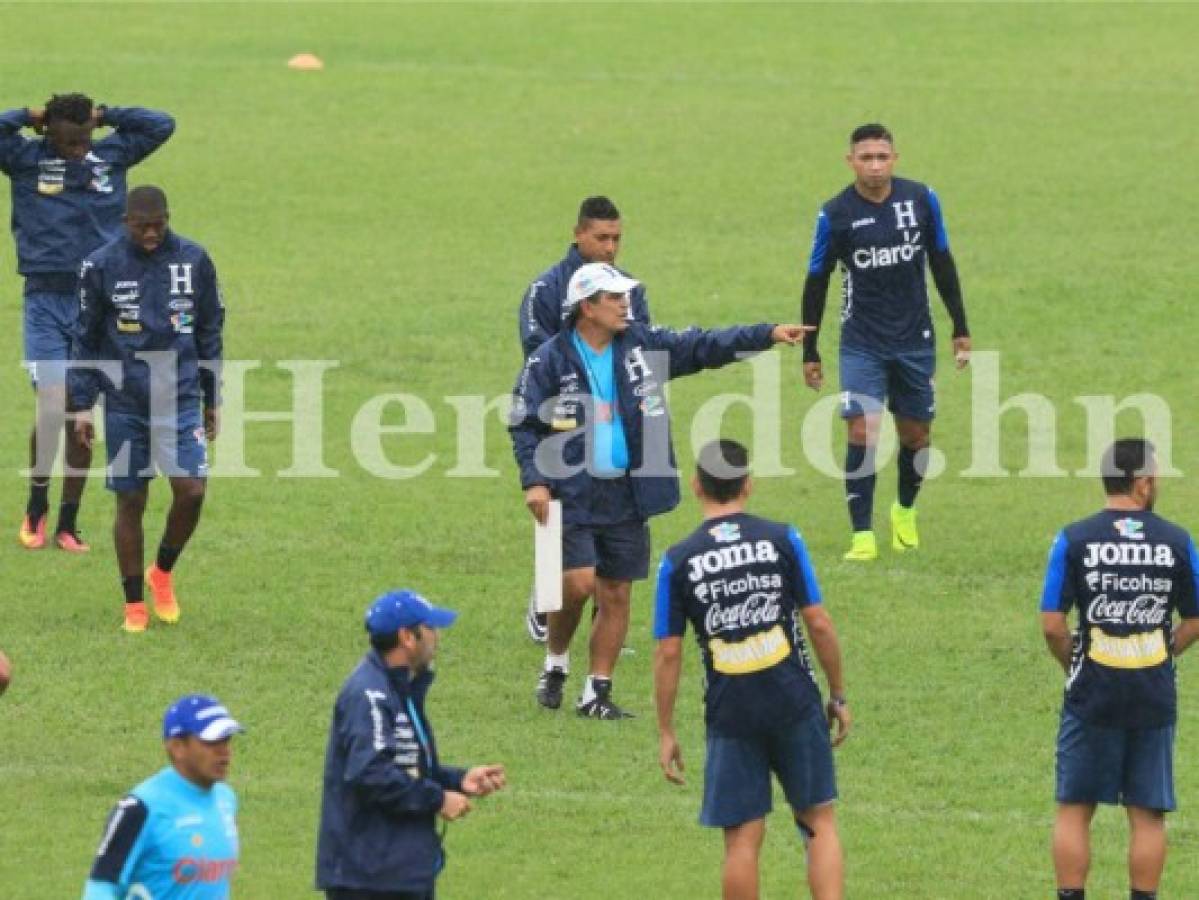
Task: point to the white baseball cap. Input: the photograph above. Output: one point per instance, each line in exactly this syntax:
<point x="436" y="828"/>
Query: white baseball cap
<point x="591" y="279"/>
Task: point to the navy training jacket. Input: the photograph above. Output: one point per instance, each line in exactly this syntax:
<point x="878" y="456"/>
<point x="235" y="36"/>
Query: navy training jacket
<point x="541" y="307"/>
<point x="552" y="403"/>
<point x="383" y="785"/>
<point x="135" y="303"/>
<point x="63" y="210"/>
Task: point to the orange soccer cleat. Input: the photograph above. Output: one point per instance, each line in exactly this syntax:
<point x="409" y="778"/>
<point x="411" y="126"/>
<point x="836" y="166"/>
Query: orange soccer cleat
<point x="136" y="618"/>
<point x="71" y="542"/>
<point x="166" y="607"/>
<point x="32" y="538"/>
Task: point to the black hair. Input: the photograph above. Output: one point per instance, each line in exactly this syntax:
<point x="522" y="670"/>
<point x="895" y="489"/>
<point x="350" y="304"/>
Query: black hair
<point x="385" y="643"/>
<point x="871" y="132"/>
<point x="722" y="468"/>
<point x="597" y="208"/>
<point x="74" y="108"/>
<point x="146" y="199"/>
<point x="1124" y="461"/>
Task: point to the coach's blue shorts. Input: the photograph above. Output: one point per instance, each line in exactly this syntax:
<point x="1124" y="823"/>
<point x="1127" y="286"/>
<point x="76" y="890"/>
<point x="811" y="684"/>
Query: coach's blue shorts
<point x="138" y="445"/>
<point x="904" y="380"/>
<point x="48" y="326"/>
<point x="620" y="552"/>
<point x="1129" y="766"/>
<point x="737" y="771"/>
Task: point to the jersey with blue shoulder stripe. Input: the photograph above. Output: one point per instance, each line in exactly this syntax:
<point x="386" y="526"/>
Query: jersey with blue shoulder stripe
<point x="168" y="839"/>
<point x="882" y="249"/>
<point x="1127" y="574"/>
<point x="741" y="581"/>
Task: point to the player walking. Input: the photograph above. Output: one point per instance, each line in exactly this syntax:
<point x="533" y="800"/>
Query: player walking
<point x="882" y="229"/>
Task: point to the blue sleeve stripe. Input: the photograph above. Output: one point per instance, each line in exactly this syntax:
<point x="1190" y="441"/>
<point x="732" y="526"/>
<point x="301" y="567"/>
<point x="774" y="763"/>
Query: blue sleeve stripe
<point x="1055" y="575"/>
<point x="806" y="572"/>
<point x="820" y="244"/>
<point x="938" y="221"/>
<point x="1194" y="604"/>
<point x="662" y="600"/>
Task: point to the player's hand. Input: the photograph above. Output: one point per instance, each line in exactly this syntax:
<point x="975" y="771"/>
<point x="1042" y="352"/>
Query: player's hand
<point x="483" y="780"/>
<point x="813" y="375"/>
<point x="961" y="351"/>
<point x="37" y="118"/>
<point x="212" y="422"/>
<point x="670" y="758"/>
<point x="85" y="429"/>
<point x="454" y="806"/>
<point x="789" y="334"/>
<point x="838" y="715"/>
<point x="537" y="499"/>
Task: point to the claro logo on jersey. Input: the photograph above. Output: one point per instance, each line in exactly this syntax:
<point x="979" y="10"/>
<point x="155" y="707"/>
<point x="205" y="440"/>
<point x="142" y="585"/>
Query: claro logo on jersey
<point x="191" y="869"/>
<point x="882" y="257"/>
<point x="715" y="561"/>
<point x="1112" y="554"/>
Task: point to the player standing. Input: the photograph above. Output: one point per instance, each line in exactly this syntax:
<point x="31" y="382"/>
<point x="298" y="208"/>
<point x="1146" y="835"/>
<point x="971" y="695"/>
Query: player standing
<point x="882" y="229"/>
<point x="1127" y="571"/>
<point x="745" y="584"/>
<point x="150" y="313"/>
<point x="68" y="195"/>
<point x="598" y="231"/>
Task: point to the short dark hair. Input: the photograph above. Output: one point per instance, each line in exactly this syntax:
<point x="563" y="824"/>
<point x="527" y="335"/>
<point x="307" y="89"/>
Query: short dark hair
<point x="722" y="468"/>
<point x="1125" y="460"/>
<point x="74" y="108"/>
<point x="871" y="132"/>
<point x="597" y="208"/>
<point x="385" y="643"/>
<point x="147" y="199"/>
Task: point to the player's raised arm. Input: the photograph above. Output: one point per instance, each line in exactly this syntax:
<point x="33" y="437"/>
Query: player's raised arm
<point x="11" y="141"/>
<point x="139" y="132"/>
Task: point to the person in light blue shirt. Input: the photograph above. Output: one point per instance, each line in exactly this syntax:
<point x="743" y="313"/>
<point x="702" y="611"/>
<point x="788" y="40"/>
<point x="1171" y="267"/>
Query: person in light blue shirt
<point x="174" y="836"/>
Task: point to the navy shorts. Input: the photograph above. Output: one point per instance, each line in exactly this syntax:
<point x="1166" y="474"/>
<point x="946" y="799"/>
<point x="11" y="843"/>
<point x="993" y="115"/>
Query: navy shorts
<point x="737" y="772"/>
<point x="1129" y="766"/>
<point x="48" y="325"/>
<point x="904" y="380"/>
<point x="620" y="552"/>
<point x="138" y="445"/>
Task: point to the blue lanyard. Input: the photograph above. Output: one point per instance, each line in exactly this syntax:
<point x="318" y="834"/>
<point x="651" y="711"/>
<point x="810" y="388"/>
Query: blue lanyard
<point x="420" y="733"/>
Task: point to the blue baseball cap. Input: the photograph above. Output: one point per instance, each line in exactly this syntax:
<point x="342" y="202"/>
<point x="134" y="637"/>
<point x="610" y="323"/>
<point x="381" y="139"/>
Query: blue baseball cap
<point x="404" y="609"/>
<point x="199" y="715"/>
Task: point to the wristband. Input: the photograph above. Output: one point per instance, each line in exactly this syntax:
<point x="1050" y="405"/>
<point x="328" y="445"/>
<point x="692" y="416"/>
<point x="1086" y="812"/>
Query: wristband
<point x="837" y="700"/>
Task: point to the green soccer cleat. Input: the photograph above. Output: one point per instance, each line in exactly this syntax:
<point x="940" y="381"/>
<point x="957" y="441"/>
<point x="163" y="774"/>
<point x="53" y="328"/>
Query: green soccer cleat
<point x="903" y="528"/>
<point x="864" y="547"/>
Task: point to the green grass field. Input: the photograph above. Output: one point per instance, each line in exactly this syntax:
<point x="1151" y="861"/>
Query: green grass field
<point x="387" y="212"/>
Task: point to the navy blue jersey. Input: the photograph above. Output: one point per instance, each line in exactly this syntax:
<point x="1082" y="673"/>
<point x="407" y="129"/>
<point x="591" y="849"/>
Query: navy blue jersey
<point x="741" y="582"/>
<point x="133" y="304"/>
<point x="882" y="250"/>
<point x="62" y="210"/>
<point x="1126" y="573"/>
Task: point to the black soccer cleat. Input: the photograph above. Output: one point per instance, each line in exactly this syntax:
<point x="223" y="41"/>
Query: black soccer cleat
<point x="601" y="706"/>
<point x="535" y="622"/>
<point x="549" y="688"/>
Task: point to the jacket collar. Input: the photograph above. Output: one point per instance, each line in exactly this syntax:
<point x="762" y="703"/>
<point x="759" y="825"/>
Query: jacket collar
<point x="401" y="678"/>
<point x="574" y="258"/>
